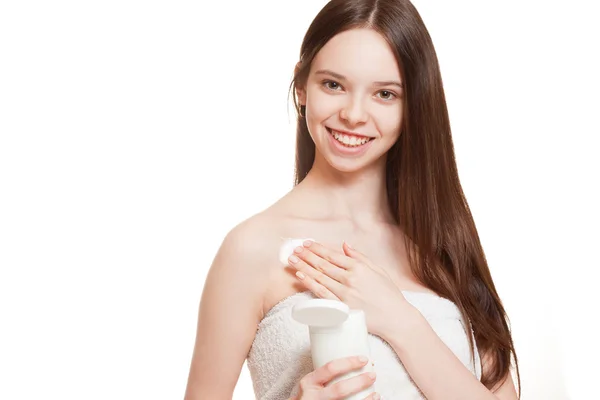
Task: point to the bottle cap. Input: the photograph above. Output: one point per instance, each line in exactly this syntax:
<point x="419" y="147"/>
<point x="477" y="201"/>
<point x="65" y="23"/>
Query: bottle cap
<point x="321" y="312"/>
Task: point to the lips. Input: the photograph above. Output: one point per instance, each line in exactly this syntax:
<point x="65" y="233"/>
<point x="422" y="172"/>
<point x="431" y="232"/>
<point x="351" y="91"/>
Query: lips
<point x="347" y="139"/>
<point x="348" y="145"/>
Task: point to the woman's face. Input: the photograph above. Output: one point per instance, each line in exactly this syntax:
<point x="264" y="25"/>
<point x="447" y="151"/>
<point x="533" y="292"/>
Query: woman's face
<point x="353" y="99"/>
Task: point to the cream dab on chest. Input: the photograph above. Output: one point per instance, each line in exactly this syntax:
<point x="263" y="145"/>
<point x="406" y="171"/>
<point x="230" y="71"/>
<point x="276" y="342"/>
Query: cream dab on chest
<point x="287" y="248"/>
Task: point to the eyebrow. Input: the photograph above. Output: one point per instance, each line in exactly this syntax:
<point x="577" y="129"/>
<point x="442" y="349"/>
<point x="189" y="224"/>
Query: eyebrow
<point x="342" y="78"/>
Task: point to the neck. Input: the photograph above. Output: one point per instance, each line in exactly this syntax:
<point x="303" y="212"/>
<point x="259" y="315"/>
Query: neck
<point x="358" y="196"/>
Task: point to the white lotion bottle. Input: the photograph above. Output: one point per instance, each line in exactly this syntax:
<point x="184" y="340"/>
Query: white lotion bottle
<point x="335" y="332"/>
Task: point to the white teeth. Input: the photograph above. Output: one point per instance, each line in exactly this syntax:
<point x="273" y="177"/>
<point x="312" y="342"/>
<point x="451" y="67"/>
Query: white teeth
<point x="351" y="141"/>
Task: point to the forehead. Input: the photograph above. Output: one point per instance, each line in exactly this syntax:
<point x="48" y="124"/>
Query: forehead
<point x="358" y="54"/>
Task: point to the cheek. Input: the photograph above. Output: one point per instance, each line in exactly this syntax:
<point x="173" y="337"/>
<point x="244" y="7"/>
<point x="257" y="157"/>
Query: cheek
<point x="389" y="122"/>
<point x="322" y="105"/>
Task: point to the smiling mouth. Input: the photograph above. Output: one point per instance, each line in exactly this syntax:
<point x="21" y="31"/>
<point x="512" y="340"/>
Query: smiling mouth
<point x="349" y="140"/>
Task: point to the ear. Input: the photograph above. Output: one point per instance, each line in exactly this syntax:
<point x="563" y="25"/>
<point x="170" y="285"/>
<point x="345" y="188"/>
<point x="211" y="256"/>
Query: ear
<point x="300" y="92"/>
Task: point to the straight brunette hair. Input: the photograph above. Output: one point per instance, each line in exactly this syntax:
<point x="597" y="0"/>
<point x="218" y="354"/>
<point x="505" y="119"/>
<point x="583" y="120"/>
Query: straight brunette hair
<point x="424" y="191"/>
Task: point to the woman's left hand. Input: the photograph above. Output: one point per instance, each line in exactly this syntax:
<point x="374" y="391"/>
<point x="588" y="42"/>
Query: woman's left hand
<point x="351" y="278"/>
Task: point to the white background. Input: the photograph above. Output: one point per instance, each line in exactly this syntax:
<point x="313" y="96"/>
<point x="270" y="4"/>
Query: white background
<point x="135" y="134"/>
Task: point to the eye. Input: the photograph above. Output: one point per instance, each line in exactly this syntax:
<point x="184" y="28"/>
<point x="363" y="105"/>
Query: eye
<point x="387" y="95"/>
<point x="332" y="85"/>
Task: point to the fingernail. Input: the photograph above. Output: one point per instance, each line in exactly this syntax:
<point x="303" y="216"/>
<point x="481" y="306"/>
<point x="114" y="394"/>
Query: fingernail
<point x="307" y="243"/>
<point x="298" y="249"/>
<point x="293" y="259"/>
<point x="372" y="375"/>
<point x="300" y="275"/>
<point x="376" y="396"/>
<point x="363" y="359"/>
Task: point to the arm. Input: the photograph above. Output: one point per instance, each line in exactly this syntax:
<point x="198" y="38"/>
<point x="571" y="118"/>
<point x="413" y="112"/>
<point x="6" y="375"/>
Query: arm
<point x="435" y="369"/>
<point x="230" y="310"/>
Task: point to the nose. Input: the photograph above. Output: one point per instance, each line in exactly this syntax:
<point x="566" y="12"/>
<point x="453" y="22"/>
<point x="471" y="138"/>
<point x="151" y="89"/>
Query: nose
<point x="354" y="112"/>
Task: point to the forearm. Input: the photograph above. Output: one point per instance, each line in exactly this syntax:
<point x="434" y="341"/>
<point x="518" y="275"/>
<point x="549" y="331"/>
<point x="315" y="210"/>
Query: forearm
<point x="434" y="368"/>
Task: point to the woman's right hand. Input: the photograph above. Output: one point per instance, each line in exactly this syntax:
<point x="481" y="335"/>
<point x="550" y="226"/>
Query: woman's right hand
<point x="312" y="386"/>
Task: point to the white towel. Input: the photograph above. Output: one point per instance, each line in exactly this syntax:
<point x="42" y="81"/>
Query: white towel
<point x="280" y="354"/>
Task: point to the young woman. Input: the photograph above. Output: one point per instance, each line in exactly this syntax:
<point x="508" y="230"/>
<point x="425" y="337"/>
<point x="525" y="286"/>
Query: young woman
<point x="375" y="170"/>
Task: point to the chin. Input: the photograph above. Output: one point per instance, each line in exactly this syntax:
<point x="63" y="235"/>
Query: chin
<point x="346" y="165"/>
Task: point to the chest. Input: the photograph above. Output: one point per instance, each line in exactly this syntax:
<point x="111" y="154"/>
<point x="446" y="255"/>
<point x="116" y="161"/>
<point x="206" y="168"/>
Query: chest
<point x="385" y="247"/>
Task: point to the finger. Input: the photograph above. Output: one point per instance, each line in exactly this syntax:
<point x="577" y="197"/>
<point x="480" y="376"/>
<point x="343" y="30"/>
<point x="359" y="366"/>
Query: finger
<point x="322" y="265"/>
<point x="373" y="396"/>
<point x="362" y="259"/>
<point x="297" y="261"/>
<point x="318" y="289"/>
<point x="346" y="387"/>
<point x="355" y="254"/>
<point x="324" y="374"/>
<point x="332" y="256"/>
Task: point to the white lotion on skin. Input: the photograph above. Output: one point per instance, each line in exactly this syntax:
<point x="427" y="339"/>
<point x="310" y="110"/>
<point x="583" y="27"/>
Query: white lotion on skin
<point x="287" y="249"/>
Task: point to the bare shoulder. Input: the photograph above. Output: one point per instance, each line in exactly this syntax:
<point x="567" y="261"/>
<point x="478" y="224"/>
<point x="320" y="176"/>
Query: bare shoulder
<point x="253" y="235"/>
<point x="253" y="245"/>
<point x="250" y="244"/>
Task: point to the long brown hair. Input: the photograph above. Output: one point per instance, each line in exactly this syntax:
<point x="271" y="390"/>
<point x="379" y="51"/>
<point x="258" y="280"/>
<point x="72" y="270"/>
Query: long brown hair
<point x="424" y="190"/>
